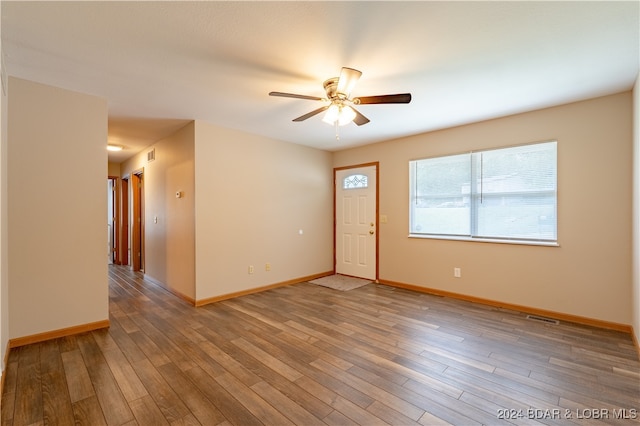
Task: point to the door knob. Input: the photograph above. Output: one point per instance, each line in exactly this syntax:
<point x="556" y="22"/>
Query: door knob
<point x="371" y="231"/>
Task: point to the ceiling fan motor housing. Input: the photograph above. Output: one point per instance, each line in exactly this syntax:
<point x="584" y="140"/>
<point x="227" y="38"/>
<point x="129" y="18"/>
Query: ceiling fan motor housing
<point x="331" y="88"/>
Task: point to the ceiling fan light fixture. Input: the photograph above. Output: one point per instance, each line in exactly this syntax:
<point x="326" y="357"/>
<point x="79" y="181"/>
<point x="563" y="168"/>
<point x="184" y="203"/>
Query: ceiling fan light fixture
<point x="347" y="114"/>
<point x="332" y="114"/>
<point x="342" y="114"/>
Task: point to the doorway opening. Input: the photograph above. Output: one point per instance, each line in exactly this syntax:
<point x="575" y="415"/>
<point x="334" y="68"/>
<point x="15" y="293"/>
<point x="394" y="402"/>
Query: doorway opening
<point x="117" y="221"/>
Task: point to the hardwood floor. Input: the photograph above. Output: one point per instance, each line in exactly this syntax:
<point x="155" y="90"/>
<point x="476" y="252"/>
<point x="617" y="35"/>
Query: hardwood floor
<point x="308" y="355"/>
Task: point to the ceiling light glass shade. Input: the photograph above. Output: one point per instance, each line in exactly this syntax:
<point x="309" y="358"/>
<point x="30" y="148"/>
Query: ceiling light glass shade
<point x="331" y="115"/>
<point x="114" y="148"/>
<point x="340" y="113"/>
<point x="346" y="116"/>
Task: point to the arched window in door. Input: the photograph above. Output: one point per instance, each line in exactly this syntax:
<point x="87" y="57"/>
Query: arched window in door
<point x="355" y="181"/>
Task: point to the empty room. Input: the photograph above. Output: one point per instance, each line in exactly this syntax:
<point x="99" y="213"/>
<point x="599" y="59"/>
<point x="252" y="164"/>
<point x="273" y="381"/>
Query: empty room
<point x="405" y="213"/>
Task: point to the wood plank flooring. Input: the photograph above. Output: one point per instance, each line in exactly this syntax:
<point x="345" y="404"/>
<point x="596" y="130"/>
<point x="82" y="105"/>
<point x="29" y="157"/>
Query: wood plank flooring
<point x="308" y="355"/>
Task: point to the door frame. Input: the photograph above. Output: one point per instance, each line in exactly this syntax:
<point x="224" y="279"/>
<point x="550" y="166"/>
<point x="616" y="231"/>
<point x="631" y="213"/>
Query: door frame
<point x="375" y="164"/>
<point x="115" y="220"/>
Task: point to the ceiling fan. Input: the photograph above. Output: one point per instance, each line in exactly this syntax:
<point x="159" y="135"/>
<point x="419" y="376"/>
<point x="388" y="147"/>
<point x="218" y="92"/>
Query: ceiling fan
<point x="340" y="106"/>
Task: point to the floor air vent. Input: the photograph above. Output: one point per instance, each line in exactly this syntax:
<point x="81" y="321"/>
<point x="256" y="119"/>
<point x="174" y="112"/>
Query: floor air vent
<point x="543" y="319"/>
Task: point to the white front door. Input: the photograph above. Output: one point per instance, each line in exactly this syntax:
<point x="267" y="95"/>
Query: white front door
<point x="356" y="224"/>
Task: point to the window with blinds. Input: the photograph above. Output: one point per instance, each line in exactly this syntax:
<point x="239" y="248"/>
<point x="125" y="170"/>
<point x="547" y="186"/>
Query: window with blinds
<point x="499" y="194"/>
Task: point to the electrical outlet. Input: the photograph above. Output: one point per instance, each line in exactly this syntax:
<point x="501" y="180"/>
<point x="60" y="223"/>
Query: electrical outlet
<point x="267" y="266"/>
<point x="251" y="269"/>
<point x="457" y="272"/>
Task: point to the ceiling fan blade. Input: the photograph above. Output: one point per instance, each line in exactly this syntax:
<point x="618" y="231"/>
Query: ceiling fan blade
<point x="293" y="95"/>
<point x="312" y="113"/>
<point x="347" y="81"/>
<point x="401" y="98"/>
<point x="360" y="119"/>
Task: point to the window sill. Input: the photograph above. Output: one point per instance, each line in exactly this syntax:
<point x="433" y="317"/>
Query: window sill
<point x="486" y="240"/>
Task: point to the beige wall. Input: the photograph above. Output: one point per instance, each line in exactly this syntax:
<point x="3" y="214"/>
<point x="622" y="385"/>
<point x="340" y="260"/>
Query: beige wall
<point x="253" y="196"/>
<point x="57" y="273"/>
<point x="4" y="281"/>
<point x="589" y="275"/>
<point x="636" y="210"/>
<point x="113" y="169"/>
<point x="169" y="221"/>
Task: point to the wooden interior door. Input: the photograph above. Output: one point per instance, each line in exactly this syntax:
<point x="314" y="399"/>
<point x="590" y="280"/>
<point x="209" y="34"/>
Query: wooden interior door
<point x="123" y="231"/>
<point x="137" y="231"/>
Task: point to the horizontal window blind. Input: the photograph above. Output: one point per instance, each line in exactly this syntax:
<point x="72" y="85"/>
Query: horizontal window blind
<point x="507" y="193"/>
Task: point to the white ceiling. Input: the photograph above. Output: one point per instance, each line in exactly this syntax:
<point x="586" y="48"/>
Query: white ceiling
<point x="161" y="64"/>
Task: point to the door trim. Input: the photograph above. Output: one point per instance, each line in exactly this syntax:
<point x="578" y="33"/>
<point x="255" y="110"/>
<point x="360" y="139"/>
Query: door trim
<point x="375" y="164"/>
<point x="115" y="231"/>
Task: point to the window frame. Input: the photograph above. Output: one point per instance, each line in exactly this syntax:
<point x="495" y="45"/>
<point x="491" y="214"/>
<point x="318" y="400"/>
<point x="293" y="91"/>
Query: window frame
<point x="472" y="213"/>
<point x="357" y="178"/>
